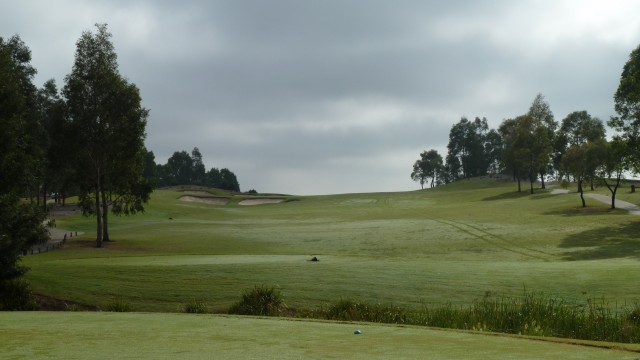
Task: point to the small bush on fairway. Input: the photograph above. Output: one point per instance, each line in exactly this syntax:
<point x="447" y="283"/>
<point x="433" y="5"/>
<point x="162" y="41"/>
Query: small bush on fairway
<point x="15" y="294"/>
<point x="260" y="300"/>
<point x="119" y="305"/>
<point x="195" y="307"/>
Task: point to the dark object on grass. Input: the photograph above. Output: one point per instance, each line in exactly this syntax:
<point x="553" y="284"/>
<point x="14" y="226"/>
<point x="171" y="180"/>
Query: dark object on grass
<point x="357" y="332"/>
<point x="314" y="259"/>
<point x="170" y="218"/>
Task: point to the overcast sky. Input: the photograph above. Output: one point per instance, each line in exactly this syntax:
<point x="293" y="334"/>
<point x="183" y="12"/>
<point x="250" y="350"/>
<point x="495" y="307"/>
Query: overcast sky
<point x="318" y="97"/>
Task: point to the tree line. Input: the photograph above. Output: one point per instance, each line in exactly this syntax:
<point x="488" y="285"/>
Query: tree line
<point x="533" y="146"/>
<point x="183" y="168"/>
<point x="84" y="139"/>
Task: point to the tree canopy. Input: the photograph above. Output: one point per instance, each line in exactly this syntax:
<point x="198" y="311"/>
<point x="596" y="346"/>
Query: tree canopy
<point x="109" y="123"/>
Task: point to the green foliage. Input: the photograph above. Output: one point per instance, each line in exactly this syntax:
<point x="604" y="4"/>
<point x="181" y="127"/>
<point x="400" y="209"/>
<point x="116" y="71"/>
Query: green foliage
<point x="195" y="307"/>
<point x="119" y="305"/>
<point x="532" y="314"/>
<point x="15" y="294"/>
<point x="350" y="310"/>
<point x="261" y="301"/>
<point x="472" y="149"/>
<point x="429" y="166"/>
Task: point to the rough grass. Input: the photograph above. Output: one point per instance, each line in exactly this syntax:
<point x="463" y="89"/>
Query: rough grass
<point x="101" y="335"/>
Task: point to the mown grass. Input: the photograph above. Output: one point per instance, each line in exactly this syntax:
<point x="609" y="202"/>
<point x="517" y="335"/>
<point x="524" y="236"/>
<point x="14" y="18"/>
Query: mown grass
<point x="102" y="335"/>
<point x="448" y="245"/>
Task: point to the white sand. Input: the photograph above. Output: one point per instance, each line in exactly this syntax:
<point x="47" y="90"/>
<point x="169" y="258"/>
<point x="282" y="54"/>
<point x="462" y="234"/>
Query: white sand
<point x="206" y="200"/>
<point x="260" y="201"/>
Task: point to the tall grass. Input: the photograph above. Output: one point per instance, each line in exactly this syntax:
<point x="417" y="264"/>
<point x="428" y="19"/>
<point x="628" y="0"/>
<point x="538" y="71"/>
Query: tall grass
<point x="532" y="314"/>
<point x="261" y="300"/>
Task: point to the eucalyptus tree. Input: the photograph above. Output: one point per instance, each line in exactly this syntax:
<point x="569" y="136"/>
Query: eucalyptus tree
<point x="527" y="147"/>
<point x="109" y="123"/>
<point x="466" y="156"/>
<point x="627" y="105"/>
<point x="429" y="166"/>
<point x="22" y="222"/>
<point x="541" y="112"/>
<point x="578" y="129"/>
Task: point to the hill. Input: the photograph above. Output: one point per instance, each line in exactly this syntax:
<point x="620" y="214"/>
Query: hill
<point x="453" y="244"/>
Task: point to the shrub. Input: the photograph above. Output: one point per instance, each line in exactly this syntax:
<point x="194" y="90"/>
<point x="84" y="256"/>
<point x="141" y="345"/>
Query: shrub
<point x="195" y="307"/>
<point x="119" y="305"/>
<point x="260" y="300"/>
<point x="15" y="294"/>
<point x="350" y="310"/>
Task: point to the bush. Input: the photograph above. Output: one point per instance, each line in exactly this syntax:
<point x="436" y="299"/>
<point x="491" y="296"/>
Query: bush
<point x="261" y="301"/>
<point x="15" y="294"/>
<point x="195" y="307"/>
<point x="349" y="310"/>
<point x="119" y="305"/>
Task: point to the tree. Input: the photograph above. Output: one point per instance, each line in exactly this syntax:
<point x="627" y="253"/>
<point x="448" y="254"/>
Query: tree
<point x="527" y="147"/>
<point x="429" y="166"/>
<point x="627" y="105"/>
<point x="228" y="180"/>
<point x="493" y="146"/>
<point x="109" y="126"/>
<point x="582" y="160"/>
<point x="510" y="160"/>
<point x="542" y="115"/>
<point x="578" y="129"/>
<point x="22" y="222"/>
<point x="466" y="156"/>
<point x="617" y="161"/>
<point x="198" y="171"/>
<point x="180" y="164"/>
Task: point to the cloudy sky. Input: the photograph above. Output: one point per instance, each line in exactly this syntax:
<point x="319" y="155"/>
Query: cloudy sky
<point x="335" y="96"/>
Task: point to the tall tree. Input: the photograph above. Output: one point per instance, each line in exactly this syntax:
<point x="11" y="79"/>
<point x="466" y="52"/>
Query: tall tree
<point x="582" y="160"/>
<point x="429" y="166"/>
<point x="540" y="111"/>
<point x="618" y="160"/>
<point x="627" y="105"/>
<point x="22" y="223"/>
<point x="199" y="171"/>
<point x="527" y="147"/>
<point x="109" y="125"/>
<point x="466" y="149"/>
<point x="180" y="165"/>
<point x="577" y="129"/>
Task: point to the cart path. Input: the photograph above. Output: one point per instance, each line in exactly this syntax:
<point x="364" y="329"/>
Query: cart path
<point x="633" y="209"/>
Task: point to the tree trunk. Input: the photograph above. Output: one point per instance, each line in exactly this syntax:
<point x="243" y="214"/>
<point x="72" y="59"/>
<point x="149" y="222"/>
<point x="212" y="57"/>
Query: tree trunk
<point x="531" y="183"/>
<point x="613" y="193"/>
<point x="542" y="181"/>
<point x="581" y="192"/>
<point x="519" y="185"/>
<point x="98" y="217"/>
<point x="44" y="197"/>
<point x="105" y="214"/>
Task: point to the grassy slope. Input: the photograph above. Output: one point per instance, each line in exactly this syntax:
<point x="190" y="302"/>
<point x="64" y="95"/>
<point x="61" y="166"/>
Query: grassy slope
<point x="172" y="336"/>
<point x="452" y="244"/>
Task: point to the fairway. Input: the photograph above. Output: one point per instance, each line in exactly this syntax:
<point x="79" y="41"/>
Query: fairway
<point x="454" y="244"/>
<point x="184" y="336"/>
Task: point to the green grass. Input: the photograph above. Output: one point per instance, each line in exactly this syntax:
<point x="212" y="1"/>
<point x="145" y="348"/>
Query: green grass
<point x="84" y="335"/>
<point x="447" y="245"/>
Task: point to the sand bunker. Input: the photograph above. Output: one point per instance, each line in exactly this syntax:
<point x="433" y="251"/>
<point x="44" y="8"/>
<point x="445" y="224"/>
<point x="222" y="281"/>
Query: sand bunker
<point x="206" y="200"/>
<point x="260" y="201"/>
